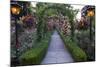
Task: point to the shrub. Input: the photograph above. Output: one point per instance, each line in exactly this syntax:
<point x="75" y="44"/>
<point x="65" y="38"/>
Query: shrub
<point x="36" y="54"/>
<point x="83" y="40"/>
<point x="77" y="53"/>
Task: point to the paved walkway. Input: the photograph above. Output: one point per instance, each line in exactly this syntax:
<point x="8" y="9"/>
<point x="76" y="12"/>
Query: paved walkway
<point x="57" y="53"/>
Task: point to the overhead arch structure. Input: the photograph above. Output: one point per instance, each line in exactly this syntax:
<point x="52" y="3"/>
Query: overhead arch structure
<point x="42" y="13"/>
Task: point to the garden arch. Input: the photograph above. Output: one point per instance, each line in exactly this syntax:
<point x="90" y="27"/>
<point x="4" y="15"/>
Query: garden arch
<point x="65" y="10"/>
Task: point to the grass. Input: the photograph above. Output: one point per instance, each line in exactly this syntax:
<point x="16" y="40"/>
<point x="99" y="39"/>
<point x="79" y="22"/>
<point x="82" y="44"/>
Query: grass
<point x="35" y="55"/>
<point x="77" y="53"/>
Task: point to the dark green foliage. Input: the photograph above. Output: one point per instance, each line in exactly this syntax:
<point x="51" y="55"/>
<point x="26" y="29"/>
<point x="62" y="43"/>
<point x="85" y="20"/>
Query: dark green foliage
<point x="36" y="54"/>
<point x="83" y="40"/>
<point x="77" y="53"/>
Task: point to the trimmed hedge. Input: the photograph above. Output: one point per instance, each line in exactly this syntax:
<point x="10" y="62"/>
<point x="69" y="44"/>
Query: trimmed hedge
<point x="77" y="53"/>
<point x="35" y="55"/>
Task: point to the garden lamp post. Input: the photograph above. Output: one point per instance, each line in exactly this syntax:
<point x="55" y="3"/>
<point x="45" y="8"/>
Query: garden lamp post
<point x="91" y="49"/>
<point x="90" y="14"/>
<point x="15" y="12"/>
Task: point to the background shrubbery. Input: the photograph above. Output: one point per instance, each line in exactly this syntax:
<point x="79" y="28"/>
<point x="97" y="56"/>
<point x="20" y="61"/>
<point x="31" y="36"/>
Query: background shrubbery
<point x="83" y="40"/>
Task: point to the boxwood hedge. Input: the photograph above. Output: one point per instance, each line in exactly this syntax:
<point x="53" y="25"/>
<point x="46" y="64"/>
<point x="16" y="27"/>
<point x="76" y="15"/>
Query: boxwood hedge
<point x="35" y="55"/>
<point x="77" y="53"/>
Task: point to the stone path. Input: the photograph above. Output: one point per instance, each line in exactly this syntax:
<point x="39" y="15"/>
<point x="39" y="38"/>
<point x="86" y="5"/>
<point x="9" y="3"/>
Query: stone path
<point x="57" y="53"/>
